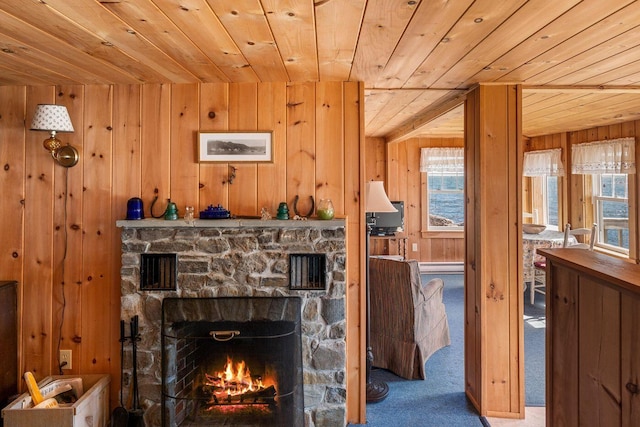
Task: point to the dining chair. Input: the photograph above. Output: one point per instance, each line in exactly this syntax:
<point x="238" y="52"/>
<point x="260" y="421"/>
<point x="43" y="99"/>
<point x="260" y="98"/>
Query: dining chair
<point x="540" y="267"/>
<point x="592" y="232"/>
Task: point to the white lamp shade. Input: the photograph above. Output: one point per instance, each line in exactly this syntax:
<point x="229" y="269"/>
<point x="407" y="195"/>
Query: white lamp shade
<point x="51" y="117"/>
<point x="376" y="199"/>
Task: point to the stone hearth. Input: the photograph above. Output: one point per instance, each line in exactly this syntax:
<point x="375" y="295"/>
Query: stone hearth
<point x="223" y="258"/>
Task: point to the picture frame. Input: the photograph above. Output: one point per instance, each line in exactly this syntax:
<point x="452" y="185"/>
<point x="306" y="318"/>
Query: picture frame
<point x="235" y="147"/>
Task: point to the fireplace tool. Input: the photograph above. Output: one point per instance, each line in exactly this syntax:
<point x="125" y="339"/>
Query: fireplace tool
<point x="136" y="414"/>
<point x="120" y="415"/>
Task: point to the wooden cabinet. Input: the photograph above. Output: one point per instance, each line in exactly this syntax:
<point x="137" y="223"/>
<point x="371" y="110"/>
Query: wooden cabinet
<point x="8" y="342"/>
<point x="593" y="339"/>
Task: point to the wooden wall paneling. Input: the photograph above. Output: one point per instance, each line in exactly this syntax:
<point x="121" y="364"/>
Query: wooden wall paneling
<point x="494" y="146"/>
<point x="495" y="215"/>
<point x="629" y="359"/>
<point x="12" y="184"/>
<point x="473" y="307"/>
<point x="329" y="145"/>
<point x="301" y="146"/>
<point x="12" y="188"/>
<point x="412" y="206"/>
<point x="354" y="178"/>
<point x="38" y="247"/>
<point x="599" y="354"/>
<point x="562" y="348"/>
<point x="127" y="183"/>
<point x="272" y="115"/>
<point x="376" y="159"/>
<point x="184" y="164"/>
<point x="243" y="116"/>
<point x="155" y="146"/>
<point x="98" y="228"/>
<point x="214" y="116"/>
<point x="68" y="237"/>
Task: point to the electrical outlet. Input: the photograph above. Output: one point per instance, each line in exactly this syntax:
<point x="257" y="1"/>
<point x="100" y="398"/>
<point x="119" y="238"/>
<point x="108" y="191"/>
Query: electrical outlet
<point x="65" y="356"/>
<point x="414" y="247"/>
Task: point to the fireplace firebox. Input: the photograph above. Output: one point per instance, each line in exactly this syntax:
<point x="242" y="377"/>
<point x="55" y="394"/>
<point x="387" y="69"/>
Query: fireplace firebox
<point x="232" y="361"/>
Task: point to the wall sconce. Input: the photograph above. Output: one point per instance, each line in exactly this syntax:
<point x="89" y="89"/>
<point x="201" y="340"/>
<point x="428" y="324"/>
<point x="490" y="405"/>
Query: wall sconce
<point x="55" y="118"/>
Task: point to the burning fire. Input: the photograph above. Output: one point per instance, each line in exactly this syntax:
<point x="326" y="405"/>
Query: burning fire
<point x="235" y="384"/>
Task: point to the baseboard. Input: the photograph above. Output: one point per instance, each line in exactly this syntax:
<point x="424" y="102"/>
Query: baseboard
<point x="441" y="267"/>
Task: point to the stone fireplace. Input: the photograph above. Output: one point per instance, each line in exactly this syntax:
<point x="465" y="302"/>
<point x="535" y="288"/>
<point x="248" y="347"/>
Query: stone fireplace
<point x="237" y="261"/>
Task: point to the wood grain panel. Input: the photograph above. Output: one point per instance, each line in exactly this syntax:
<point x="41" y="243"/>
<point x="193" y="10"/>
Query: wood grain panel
<point x="562" y="347"/>
<point x="214" y="116"/>
<point x="272" y="177"/>
<point x="245" y="20"/>
<point x="599" y="354"/>
<point x="68" y="237"/>
<point x="330" y="144"/>
<point x="301" y="144"/>
<point x="243" y="116"/>
<point x="127" y="183"/>
<point x="196" y="19"/>
<point x="98" y="228"/>
<point x="184" y="167"/>
<point x="354" y="175"/>
<point x="38" y="256"/>
<point x="12" y="184"/>
<point x="155" y="145"/>
<point x="335" y="53"/>
<point x="145" y="17"/>
<point x="630" y="359"/>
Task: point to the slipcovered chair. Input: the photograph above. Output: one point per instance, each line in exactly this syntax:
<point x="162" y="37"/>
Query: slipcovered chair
<point x="408" y="321"/>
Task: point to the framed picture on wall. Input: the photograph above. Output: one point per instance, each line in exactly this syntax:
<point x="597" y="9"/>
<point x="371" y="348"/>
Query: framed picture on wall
<point x="234" y="147"/>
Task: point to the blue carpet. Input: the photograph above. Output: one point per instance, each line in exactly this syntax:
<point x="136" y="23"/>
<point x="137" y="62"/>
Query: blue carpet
<point x="534" y="342"/>
<point x="439" y="400"/>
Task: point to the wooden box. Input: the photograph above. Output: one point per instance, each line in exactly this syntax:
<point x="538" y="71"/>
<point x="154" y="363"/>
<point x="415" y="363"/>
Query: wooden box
<point x="91" y="409"/>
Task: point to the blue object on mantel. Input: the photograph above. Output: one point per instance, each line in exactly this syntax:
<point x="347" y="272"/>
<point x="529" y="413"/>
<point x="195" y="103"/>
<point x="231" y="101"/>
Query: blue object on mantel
<point x="215" y="212"/>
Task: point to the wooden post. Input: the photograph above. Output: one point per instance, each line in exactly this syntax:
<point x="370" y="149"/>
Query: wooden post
<point x="494" y="364"/>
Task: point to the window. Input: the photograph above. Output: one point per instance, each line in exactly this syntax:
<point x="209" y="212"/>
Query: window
<point x="609" y="162"/>
<point x="544" y="167"/>
<point x="445" y="201"/>
<point x="611" y="211"/>
<point x="444" y="169"/>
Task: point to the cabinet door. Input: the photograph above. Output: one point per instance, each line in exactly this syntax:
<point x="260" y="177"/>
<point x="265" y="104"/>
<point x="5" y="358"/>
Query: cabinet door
<point x="630" y="361"/>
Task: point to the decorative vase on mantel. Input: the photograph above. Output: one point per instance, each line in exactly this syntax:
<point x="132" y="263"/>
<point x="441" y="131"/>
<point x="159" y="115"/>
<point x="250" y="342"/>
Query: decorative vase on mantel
<point x="325" y="209"/>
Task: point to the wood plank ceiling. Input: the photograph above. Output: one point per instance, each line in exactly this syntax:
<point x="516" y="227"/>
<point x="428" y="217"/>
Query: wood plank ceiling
<point x="578" y="61"/>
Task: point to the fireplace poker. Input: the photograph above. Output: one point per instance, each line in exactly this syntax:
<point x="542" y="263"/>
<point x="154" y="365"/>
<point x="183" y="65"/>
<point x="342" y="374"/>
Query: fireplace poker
<point x="135" y="416"/>
<point x="120" y="415"/>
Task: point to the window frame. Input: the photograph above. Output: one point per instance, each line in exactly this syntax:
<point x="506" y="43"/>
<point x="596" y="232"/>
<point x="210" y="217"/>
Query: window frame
<point x="598" y="214"/>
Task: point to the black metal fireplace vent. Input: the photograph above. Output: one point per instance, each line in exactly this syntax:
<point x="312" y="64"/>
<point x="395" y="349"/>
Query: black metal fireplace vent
<point x="307" y="272"/>
<point x="158" y="272"/>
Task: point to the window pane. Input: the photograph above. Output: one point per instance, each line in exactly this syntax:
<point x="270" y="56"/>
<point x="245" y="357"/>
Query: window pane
<point x="606" y="187"/>
<point x="552" y="200"/>
<point x="446" y="200"/>
<point x="614" y="222"/>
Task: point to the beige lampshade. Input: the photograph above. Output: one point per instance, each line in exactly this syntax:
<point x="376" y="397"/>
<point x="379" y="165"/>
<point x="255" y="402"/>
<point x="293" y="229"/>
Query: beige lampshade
<point x="51" y="117"/>
<point x="376" y="199"/>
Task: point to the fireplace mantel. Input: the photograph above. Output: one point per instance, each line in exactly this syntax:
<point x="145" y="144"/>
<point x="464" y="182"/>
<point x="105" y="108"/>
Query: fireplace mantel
<point x="231" y="223"/>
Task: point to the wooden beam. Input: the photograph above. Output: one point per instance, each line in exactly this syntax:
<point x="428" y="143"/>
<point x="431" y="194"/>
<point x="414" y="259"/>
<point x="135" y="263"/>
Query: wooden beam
<point x="414" y="127"/>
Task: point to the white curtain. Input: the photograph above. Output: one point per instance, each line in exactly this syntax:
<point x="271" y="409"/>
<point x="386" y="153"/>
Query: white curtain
<point x="442" y="160"/>
<point x="610" y="156"/>
<point x="543" y="163"/>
